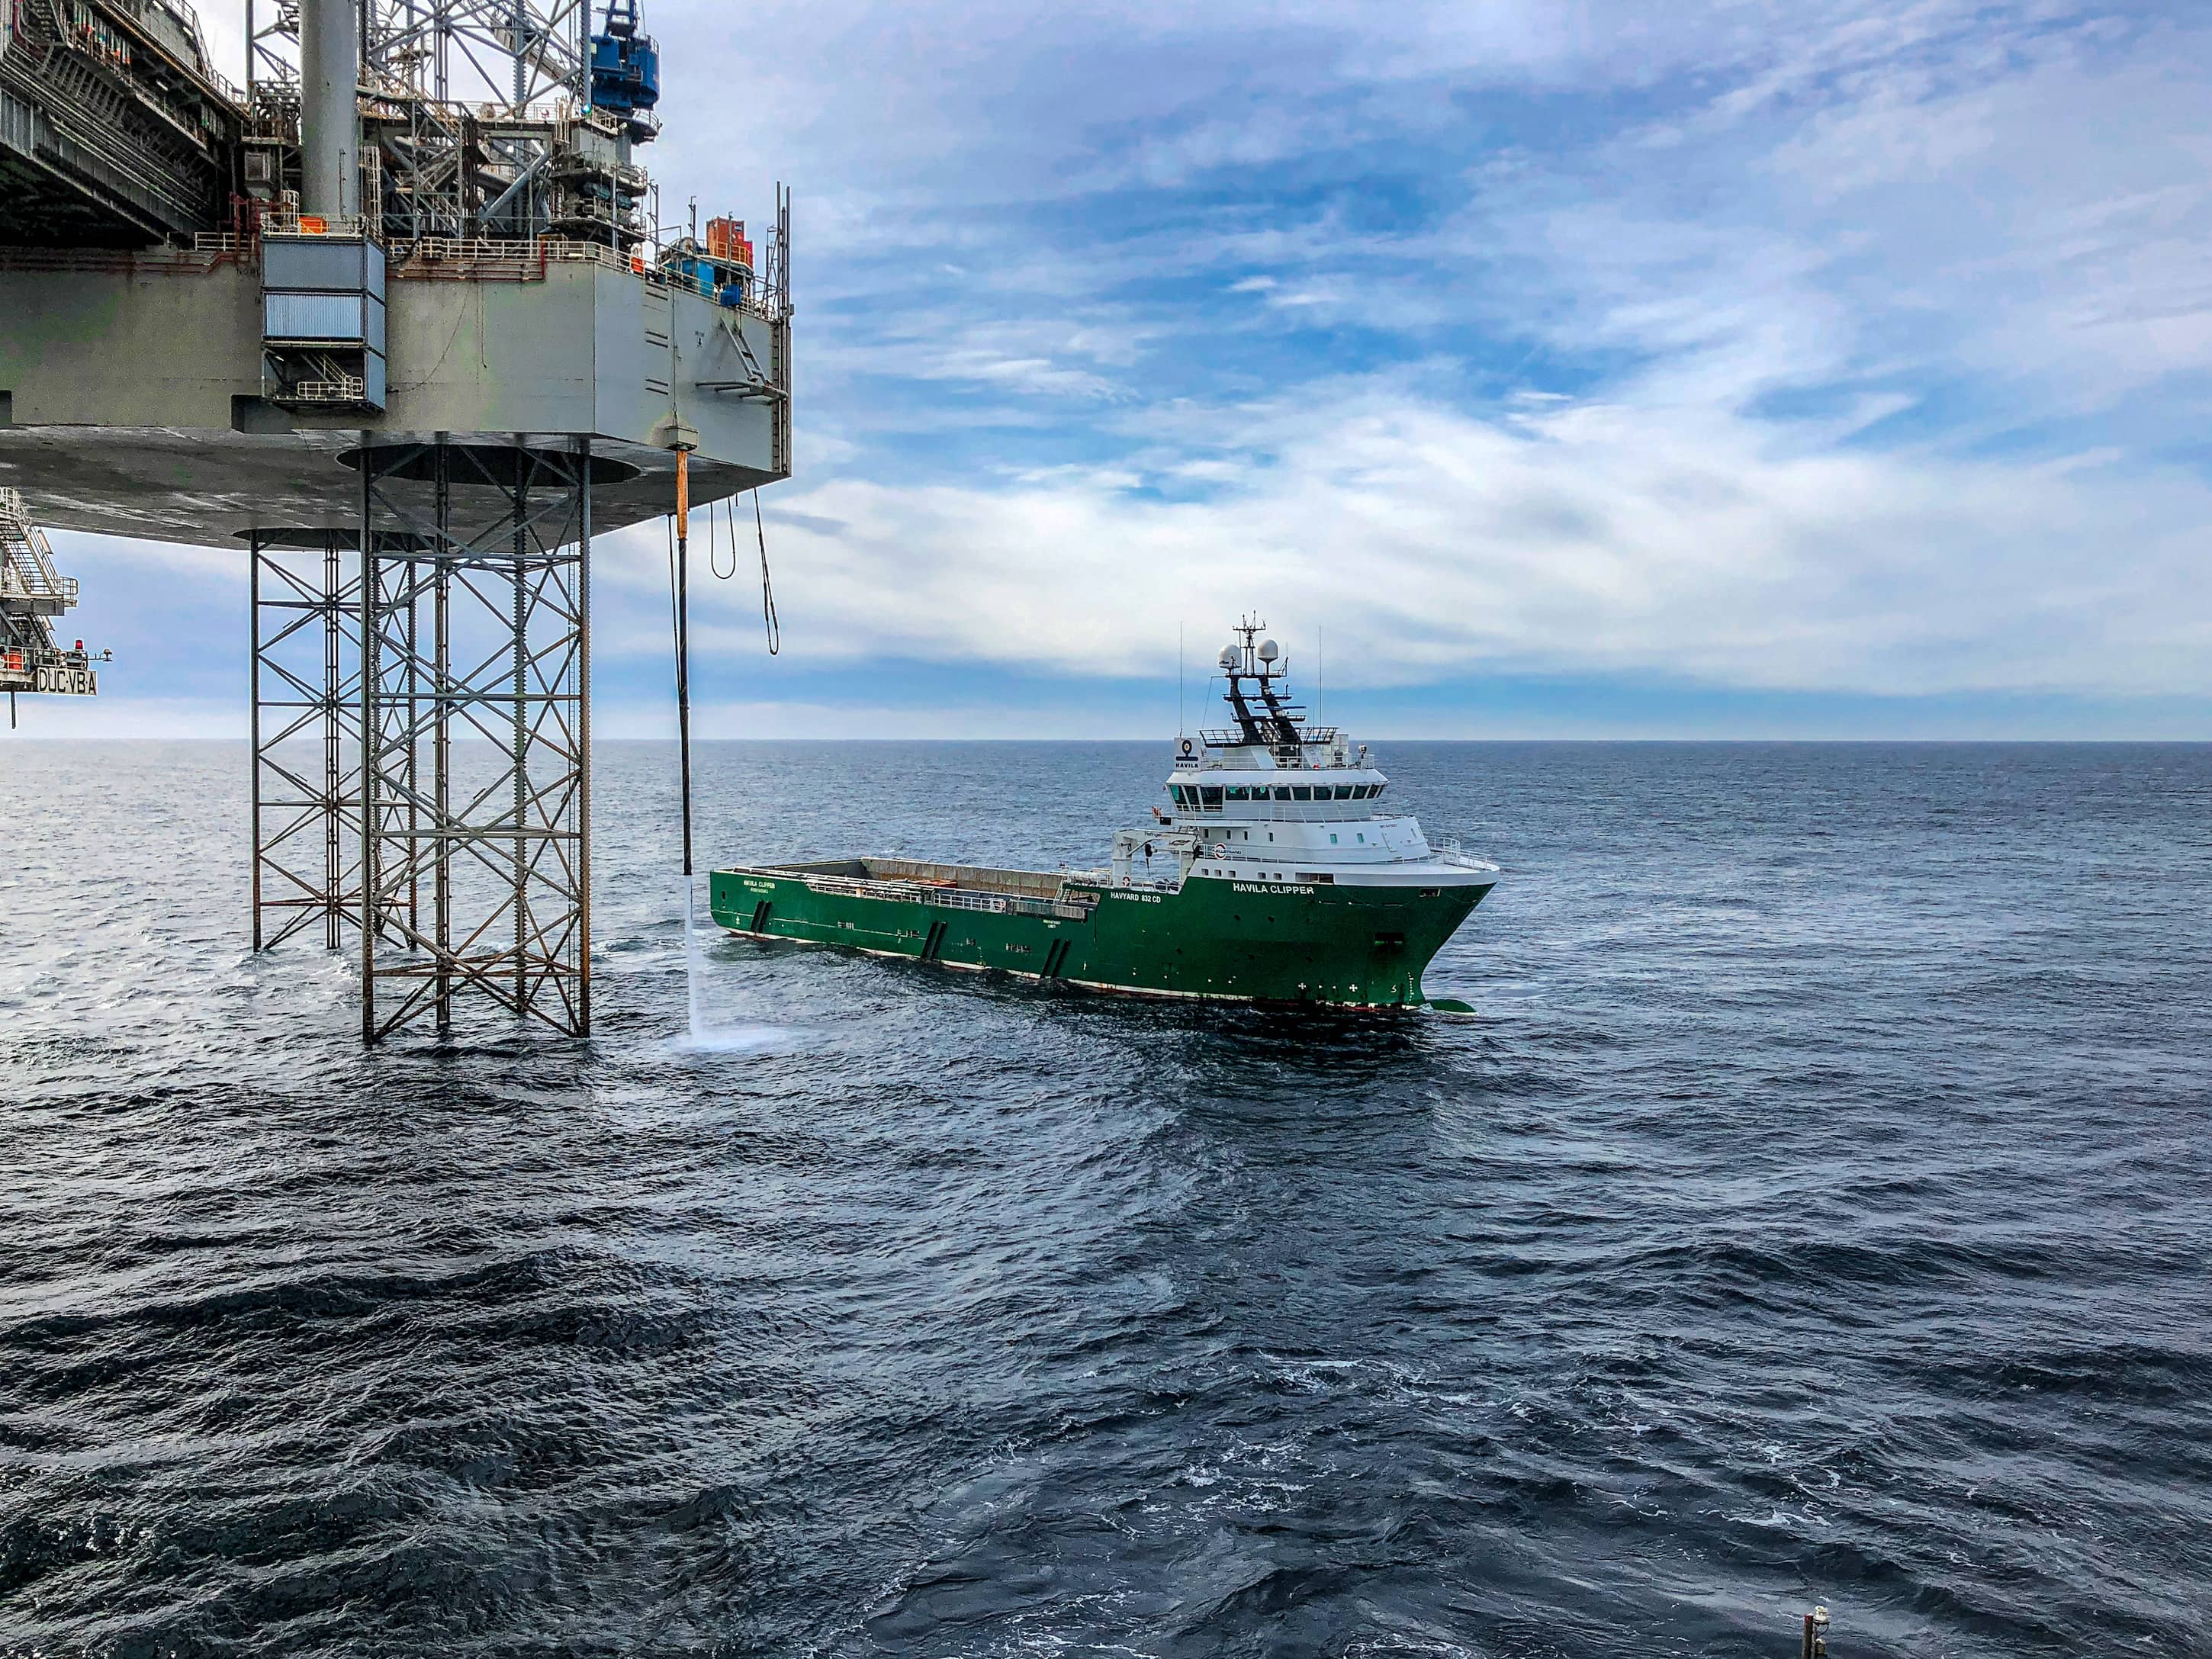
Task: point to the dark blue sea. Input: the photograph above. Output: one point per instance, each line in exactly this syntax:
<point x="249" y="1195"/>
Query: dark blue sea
<point x="1818" y="1208"/>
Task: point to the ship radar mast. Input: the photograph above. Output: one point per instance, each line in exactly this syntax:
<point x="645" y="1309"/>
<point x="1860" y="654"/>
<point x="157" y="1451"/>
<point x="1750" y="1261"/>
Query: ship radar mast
<point x="1265" y="667"/>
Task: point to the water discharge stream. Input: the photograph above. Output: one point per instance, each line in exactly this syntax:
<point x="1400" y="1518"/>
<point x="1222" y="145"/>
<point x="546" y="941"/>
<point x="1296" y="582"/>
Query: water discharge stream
<point x="731" y="1039"/>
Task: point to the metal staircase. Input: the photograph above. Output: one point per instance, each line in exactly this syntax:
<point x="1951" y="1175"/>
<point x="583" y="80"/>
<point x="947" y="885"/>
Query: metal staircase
<point x="32" y="594"/>
<point x="30" y="586"/>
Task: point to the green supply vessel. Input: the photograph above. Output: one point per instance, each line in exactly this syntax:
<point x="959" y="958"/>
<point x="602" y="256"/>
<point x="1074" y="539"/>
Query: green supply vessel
<point x="1275" y="874"/>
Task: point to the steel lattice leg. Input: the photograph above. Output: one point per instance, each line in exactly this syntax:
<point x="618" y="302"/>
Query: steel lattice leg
<point x="497" y="541"/>
<point x="306" y="804"/>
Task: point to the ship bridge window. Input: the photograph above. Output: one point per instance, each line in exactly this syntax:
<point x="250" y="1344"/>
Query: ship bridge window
<point x="1238" y="793"/>
<point x="1209" y="795"/>
<point x="1301" y="792"/>
<point x="1282" y="792"/>
<point x="1343" y="792"/>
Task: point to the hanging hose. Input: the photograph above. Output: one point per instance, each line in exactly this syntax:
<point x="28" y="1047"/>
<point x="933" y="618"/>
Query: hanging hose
<point x="713" y="562"/>
<point x="679" y="574"/>
<point x="770" y="620"/>
<point x="679" y="606"/>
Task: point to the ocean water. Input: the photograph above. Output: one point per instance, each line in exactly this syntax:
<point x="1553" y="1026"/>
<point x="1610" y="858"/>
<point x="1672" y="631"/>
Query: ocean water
<point x="1819" y="1207"/>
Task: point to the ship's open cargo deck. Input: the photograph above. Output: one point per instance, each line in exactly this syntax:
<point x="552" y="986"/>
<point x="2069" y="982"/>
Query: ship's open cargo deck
<point x="956" y="886"/>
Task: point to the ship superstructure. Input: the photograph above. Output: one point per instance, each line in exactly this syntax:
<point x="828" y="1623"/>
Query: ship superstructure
<point x="1275" y="871"/>
<point x="1274" y="799"/>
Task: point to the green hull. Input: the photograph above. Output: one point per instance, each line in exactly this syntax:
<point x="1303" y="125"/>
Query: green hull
<point x="1361" y="945"/>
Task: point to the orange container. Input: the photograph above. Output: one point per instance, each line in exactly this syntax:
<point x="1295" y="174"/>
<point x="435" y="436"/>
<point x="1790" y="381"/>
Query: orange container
<point x="726" y="240"/>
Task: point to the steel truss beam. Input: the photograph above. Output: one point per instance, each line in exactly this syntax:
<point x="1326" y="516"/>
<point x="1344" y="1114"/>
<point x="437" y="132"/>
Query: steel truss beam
<point x="475" y="731"/>
<point x="514" y="54"/>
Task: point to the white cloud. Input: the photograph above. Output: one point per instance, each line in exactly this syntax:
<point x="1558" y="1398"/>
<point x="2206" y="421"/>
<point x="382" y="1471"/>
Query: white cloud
<point x="1844" y="345"/>
<point x="1568" y="537"/>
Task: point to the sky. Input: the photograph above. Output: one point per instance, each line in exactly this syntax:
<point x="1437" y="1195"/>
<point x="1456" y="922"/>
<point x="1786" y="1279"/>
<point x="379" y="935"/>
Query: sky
<point x="1823" y="369"/>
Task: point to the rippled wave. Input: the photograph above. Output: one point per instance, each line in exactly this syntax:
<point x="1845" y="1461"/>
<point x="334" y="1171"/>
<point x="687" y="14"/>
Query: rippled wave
<point x="1813" y="1211"/>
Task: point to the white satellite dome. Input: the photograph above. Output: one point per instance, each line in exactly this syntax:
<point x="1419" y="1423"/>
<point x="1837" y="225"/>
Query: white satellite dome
<point x="1228" y="657"/>
<point x="1269" y="651"/>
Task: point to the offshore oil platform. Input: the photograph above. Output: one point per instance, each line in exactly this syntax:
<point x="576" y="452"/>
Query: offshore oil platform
<point x="396" y="321"/>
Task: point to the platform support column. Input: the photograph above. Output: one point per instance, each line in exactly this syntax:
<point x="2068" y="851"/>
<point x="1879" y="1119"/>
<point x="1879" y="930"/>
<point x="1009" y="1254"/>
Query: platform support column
<point x="252" y="714"/>
<point x="371" y="669"/>
<point x="333" y="751"/>
<point x="442" y="751"/>
<point x="583" y="735"/>
<point x="521" y="734"/>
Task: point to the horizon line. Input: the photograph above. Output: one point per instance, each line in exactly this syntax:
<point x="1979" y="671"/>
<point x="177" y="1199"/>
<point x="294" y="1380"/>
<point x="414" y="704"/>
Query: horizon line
<point x="1930" y="741"/>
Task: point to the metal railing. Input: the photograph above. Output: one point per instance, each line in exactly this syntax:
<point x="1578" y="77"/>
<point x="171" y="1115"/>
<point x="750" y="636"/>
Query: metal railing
<point x="1226" y="737"/>
<point x="454" y="258"/>
<point x="345" y="390"/>
<point x="1204" y="819"/>
<point x="29" y="659"/>
<point x="1453" y="854"/>
<point x="314" y="224"/>
<point x="14" y="585"/>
